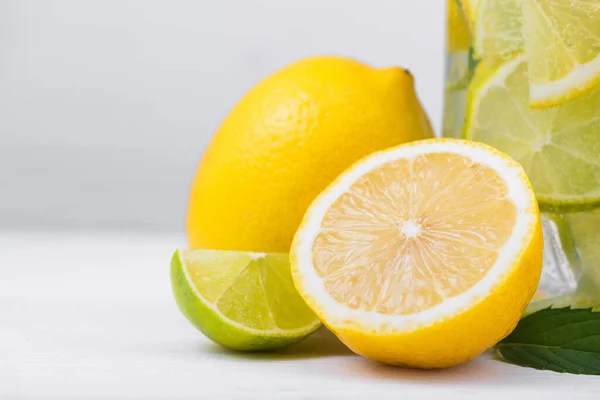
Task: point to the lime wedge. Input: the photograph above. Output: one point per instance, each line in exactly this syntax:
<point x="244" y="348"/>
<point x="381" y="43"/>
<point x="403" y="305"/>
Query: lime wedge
<point x="497" y="28"/>
<point x="562" y="44"/>
<point x="559" y="147"/>
<point x="243" y="301"/>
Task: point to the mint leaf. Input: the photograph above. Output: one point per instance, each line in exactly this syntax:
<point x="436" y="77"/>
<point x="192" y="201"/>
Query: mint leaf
<point x="557" y="339"/>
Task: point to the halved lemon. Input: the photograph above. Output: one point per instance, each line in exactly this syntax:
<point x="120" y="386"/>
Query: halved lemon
<point x="423" y="255"/>
<point x="562" y="44"/>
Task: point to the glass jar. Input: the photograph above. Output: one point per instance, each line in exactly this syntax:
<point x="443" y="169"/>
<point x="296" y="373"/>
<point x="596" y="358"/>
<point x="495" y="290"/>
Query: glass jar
<point x="524" y="77"/>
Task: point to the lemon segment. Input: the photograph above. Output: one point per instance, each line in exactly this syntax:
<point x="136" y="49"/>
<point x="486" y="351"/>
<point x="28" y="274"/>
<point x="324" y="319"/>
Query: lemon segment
<point x="470" y="10"/>
<point x="424" y="255"/>
<point x="562" y="44"/>
<point x="458" y="36"/>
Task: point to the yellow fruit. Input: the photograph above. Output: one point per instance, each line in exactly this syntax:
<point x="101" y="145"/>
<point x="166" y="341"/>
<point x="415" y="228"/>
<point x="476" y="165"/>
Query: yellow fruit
<point x="561" y="40"/>
<point x="287" y="139"/>
<point x="470" y="9"/>
<point x="562" y="45"/>
<point x="422" y="255"/>
<point x="497" y="28"/>
<point x="458" y="36"/>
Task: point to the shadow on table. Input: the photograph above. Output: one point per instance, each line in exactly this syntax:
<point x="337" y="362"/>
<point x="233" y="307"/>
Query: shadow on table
<point x="322" y="343"/>
<point x="486" y="369"/>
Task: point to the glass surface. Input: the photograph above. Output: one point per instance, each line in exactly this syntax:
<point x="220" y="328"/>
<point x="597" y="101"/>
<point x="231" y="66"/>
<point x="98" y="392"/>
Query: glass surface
<point x="571" y="272"/>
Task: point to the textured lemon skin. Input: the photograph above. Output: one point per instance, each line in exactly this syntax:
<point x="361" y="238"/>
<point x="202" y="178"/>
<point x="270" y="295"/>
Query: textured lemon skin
<point x="456" y="339"/>
<point x="286" y="140"/>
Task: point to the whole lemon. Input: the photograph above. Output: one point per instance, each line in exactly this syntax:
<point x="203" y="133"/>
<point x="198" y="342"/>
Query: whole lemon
<point x="287" y="139"/>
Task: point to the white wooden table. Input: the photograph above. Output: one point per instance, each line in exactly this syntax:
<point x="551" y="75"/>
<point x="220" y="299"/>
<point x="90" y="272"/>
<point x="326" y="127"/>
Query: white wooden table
<point x="91" y="316"/>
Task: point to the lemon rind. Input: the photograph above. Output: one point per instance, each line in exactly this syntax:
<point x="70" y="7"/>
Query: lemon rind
<point x="577" y="83"/>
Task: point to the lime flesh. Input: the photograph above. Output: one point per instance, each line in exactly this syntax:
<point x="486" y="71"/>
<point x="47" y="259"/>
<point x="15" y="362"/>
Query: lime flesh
<point x="497" y="28"/>
<point x="558" y="147"/>
<point x="241" y="300"/>
<point x="562" y="45"/>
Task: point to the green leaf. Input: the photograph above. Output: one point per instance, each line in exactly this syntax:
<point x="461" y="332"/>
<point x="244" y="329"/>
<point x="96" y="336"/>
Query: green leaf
<point x="557" y="339"/>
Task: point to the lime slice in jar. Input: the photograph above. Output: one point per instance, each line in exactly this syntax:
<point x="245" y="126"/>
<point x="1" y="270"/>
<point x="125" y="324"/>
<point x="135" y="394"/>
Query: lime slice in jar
<point x="561" y="40"/>
<point x="562" y="45"/>
<point x="559" y="147"/>
<point x="497" y="28"/>
<point x="470" y="9"/>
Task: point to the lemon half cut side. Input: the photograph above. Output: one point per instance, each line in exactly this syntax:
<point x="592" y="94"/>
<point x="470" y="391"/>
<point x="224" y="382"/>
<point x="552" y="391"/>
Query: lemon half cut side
<point x="424" y="255"/>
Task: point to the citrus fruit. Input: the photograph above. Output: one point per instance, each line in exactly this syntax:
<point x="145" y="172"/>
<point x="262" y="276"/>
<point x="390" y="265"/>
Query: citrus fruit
<point x="422" y="255"/>
<point x="559" y="147"/>
<point x="289" y="137"/>
<point x="470" y="10"/>
<point x="241" y="300"/>
<point x="497" y="28"/>
<point x="562" y="44"/>
<point x="458" y="37"/>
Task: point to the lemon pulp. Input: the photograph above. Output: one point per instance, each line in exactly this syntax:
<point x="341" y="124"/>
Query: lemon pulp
<point x="397" y="242"/>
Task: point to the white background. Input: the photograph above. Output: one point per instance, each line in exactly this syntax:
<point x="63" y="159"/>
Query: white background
<point x="106" y="106"/>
